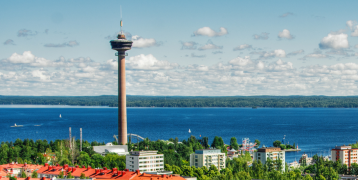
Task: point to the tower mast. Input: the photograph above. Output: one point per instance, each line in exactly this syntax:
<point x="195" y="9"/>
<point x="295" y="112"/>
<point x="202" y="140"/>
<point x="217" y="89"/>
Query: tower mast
<point x="121" y="45"/>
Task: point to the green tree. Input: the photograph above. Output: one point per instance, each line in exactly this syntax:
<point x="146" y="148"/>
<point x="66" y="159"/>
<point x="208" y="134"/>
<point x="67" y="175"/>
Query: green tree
<point x="257" y="143"/>
<point x="61" y="175"/>
<point x="69" y="175"/>
<point x="84" y="159"/>
<point x="23" y="175"/>
<point x="277" y="143"/>
<point x="234" y="144"/>
<point x="83" y="176"/>
<point x="307" y="177"/>
<point x="34" y="174"/>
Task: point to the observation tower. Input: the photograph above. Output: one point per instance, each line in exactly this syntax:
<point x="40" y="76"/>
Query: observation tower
<point x="121" y="45"/>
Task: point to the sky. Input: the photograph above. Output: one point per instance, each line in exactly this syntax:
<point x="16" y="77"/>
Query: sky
<point x="186" y="48"/>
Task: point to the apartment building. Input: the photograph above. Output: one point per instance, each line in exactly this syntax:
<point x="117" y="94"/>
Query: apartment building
<point x="273" y="153"/>
<point x="145" y="161"/>
<point x="345" y="154"/>
<point x="208" y="157"/>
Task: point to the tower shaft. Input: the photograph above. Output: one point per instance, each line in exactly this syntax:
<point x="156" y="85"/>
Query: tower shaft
<point x="122" y="106"/>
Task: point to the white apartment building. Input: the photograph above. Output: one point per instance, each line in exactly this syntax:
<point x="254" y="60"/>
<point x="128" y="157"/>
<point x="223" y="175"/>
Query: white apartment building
<point x="270" y="152"/>
<point x="208" y="157"/>
<point x="345" y="154"/>
<point x="145" y="161"/>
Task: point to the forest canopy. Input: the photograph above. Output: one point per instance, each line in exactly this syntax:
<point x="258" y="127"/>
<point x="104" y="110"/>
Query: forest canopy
<point x="190" y="101"/>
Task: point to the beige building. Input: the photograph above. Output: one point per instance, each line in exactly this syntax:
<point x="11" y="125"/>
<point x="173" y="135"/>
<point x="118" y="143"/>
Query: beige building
<point x="208" y="157"/>
<point x="273" y="153"/>
<point x="145" y="161"/>
<point x="345" y="154"/>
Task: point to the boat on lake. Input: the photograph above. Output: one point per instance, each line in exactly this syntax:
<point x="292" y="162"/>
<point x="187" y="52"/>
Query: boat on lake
<point x="17" y="125"/>
<point x="60" y="116"/>
<point x="189" y="131"/>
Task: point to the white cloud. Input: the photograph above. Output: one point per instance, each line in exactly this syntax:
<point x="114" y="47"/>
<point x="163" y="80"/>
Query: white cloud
<point x="139" y="42"/>
<point x="191" y="45"/>
<point x="334" y="41"/>
<point x="26" y="57"/>
<point x="207" y="31"/>
<point x="9" y="42"/>
<point x="263" y="36"/>
<point x="276" y="53"/>
<point x="148" y="62"/>
<point x="243" y="46"/>
<point x="66" y="44"/>
<point x="353" y="26"/>
<point x="25" y="33"/>
<point x="285" y="34"/>
<point x="294" y="53"/>
<point x="146" y="75"/>
<point x="209" y="45"/>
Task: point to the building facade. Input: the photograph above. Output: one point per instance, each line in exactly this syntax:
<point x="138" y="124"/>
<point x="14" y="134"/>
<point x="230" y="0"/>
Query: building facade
<point x="208" y="157"/>
<point x="273" y="153"/>
<point x="145" y="161"/>
<point x="345" y="154"/>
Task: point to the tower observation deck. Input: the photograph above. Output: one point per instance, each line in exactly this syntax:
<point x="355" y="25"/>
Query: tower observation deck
<point x="122" y="45"/>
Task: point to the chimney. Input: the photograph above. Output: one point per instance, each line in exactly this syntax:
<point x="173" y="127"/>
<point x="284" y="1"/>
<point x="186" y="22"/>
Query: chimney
<point x="49" y="168"/>
<point x="43" y="178"/>
<point x="28" y="178"/>
<point x="46" y="164"/>
<point x="164" y="176"/>
<point x="138" y="172"/>
<point x="83" y="166"/>
<point x="88" y="167"/>
<point x="104" y="168"/>
<point x="77" y="166"/>
<point x="114" y="170"/>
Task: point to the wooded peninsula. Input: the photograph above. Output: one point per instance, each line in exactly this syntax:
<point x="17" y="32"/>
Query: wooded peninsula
<point x="190" y="101"/>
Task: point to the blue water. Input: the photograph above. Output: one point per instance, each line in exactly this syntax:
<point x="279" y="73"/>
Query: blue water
<point x="314" y="130"/>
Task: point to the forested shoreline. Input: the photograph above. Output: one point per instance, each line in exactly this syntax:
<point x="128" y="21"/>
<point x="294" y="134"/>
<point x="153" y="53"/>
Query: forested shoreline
<point x="190" y="101"/>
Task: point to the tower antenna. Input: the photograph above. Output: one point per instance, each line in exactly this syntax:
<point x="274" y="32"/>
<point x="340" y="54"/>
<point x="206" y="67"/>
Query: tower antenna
<point x="120" y="9"/>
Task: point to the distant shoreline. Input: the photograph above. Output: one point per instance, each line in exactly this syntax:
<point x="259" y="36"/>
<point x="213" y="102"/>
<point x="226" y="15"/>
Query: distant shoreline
<point x="78" y="106"/>
<point x="189" y="101"/>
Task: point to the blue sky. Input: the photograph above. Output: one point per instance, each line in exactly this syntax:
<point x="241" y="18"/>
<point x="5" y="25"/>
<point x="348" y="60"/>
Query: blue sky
<point x="180" y="48"/>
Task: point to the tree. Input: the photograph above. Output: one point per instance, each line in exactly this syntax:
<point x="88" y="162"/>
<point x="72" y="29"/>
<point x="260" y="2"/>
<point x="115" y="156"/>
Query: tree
<point x="69" y="175"/>
<point x="218" y="142"/>
<point x="277" y="143"/>
<point x="257" y="143"/>
<point x="61" y="175"/>
<point x="307" y="177"/>
<point x="23" y="174"/>
<point x="84" y="159"/>
<point x="34" y="174"/>
<point x="83" y="176"/>
<point x="234" y="144"/>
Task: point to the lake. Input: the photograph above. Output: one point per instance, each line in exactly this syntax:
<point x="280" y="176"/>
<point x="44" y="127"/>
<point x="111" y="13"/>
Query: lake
<point x="314" y="130"/>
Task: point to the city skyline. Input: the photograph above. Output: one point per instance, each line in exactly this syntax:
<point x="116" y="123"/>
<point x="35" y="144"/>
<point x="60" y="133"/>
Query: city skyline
<point x="180" y="48"/>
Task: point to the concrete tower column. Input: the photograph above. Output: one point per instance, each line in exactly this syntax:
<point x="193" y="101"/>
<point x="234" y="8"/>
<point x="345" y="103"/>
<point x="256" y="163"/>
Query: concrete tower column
<point x="122" y="45"/>
<point x="122" y="106"/>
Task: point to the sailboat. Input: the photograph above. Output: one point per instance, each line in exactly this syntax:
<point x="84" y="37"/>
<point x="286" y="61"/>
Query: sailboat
<point x="189" y="131"/>
<point x="17" y="125"/>
<point x="60" y="116"/>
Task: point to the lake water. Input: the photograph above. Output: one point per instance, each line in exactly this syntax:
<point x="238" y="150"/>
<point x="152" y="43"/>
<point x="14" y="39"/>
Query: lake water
<point x="314" y="130"/>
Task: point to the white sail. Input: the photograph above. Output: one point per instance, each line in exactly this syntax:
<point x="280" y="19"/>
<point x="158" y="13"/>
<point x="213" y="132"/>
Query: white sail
<point x="189" y="131"/>
<point x="60" y="116"/>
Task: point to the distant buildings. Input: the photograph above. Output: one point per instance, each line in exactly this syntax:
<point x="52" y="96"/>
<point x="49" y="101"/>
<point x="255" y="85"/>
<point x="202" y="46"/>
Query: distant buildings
<point x="110" y="148"/>
<point x="14" y="169"/>
<point x="145" y="161"/>
<point x="208" y="157"/>
<point x="273" y="153"/>
<point x="48" y="171"/>
<point x="345" y="154"/>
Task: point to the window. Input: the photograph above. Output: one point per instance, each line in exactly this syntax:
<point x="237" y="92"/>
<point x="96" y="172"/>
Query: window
<point x="196" y="156"/>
